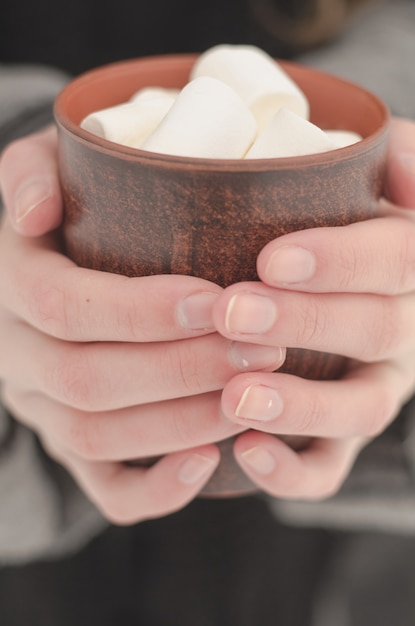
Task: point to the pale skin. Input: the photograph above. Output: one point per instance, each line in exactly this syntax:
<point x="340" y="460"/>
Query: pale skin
<point x="106" y="368"/>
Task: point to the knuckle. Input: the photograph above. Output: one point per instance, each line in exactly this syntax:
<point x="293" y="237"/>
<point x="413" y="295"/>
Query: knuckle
<point x="181" y="366"/>
<point x="157" y="499"/>
<point x="398" y="267"/>
<point x="113" y="498"/>
<point x="115" y="510"/>
<point x="209" y="426"/>
<point x="12" y="151"/>
<point x="119" y="508"/>
<point x="312" y="322"/>
<point x="51" y="448"/>
<point x="313" y="416"/>
<point x="84" y="437"/>
<point x="72" y="377"/>
<point x="384" y="410"/>
<point x="49" y="308"/>
<point x="183" y="429"/>
<point x="328" y="486"/>
<point x="382" y="330"/>
<point x="349" y="262"/>
<point x="19" y="149"/>
<point x="403" y="268"/>
<point x="129" y="317"/>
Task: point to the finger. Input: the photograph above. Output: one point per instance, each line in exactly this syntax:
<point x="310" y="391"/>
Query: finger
<point x="135" y="432"/>
<point x="400" y="180"/>
<point x="29" y="183"/>
<point x="105" y="376"/>
<point x="363" y="403"/>
<point x="52" y="294"/>
<point x="360" y="326"/>
<point x="127" y="495"/>
<point x="315" y="473"/>
<point x="375" y="256"/>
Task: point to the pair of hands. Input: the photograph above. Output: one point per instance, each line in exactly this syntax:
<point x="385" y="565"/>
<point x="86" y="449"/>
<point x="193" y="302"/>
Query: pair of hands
<point x="106" y="368"/>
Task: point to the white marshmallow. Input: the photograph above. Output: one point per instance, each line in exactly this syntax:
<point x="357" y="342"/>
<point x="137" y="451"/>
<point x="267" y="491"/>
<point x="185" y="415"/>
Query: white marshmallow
<point x="207" y="120"/>
<point x="343" y="138"/>
<point x="288" y="134"/>
<point x="256" y="77"/>
<point x="129" y="124"/>
<point x="147" y="93"/>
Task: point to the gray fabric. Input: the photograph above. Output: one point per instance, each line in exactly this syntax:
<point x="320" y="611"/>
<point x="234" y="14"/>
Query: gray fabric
<point x="377" y="50"/>
<point x="42" y="512"/>
<point x="26" y="99"/>
<point x="369" y="580"/>
<point x="25" y="86"/>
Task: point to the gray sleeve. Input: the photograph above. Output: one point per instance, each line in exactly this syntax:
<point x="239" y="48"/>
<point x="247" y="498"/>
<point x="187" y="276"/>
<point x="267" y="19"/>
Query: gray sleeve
<point x="43" y="514"/>
<point x="377" y="50"/>
<point x="26" y="99"/>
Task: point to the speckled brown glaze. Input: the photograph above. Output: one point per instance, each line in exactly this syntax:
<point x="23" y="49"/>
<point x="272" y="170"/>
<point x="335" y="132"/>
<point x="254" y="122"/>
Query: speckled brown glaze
<point x="137" y="213"/>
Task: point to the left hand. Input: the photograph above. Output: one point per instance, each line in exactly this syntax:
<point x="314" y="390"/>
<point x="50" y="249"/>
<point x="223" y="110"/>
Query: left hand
<point x="347" y="290"/>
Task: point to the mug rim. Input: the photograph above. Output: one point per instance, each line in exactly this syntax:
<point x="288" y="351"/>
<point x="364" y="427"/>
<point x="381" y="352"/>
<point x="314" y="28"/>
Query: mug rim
<point x="124" y="67"/>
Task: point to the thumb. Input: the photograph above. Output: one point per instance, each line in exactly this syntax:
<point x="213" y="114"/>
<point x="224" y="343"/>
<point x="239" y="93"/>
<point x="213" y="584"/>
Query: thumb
<point x="400" y="177"/>
<point x="29" y="183"/>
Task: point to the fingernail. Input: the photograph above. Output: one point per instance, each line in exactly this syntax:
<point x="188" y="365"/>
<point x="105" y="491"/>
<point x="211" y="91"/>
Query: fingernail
<point x="195" y="311"/>
<point x="250" y="314"/>
<point x="30" y="195"/>
<point x="290" y="264"/>
<point x="249" y="356"/>
<point x="260" y="460"/>
<point x="195" y="468"/>
<point x="259" y="403"/>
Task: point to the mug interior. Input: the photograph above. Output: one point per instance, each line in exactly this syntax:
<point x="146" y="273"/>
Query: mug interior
<point x="334" y="103"/>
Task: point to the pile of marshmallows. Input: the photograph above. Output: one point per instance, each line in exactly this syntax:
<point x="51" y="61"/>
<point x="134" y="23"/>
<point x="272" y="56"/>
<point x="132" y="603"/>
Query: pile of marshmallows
<point x="238" y="103"/>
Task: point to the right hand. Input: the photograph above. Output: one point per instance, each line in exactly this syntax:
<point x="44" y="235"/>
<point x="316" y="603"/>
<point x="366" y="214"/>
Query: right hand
<point x="103" y="367"/>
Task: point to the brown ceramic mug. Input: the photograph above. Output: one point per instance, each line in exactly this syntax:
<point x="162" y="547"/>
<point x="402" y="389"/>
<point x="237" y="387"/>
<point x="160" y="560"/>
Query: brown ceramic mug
<point x="139" y="213"/>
